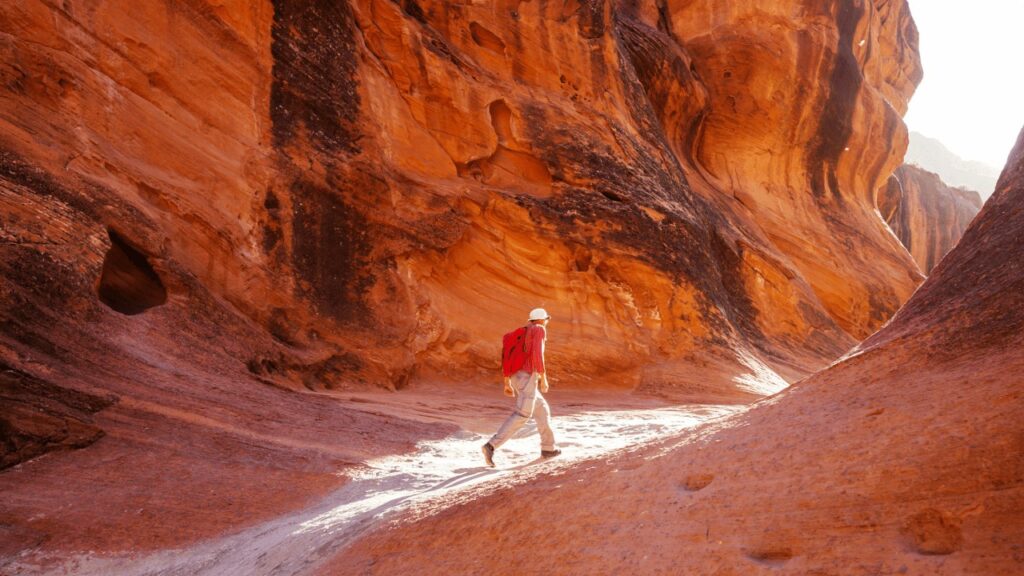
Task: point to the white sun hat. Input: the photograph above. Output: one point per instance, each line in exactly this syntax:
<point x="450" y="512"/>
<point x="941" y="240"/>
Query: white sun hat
<point x="539" y="314"/>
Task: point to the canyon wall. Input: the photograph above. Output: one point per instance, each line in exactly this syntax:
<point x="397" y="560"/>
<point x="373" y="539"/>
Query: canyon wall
<point x="903" y="458"/>
<point x="926" y="214"/>
<point x="384" y="188"/>
<point x="803" y="121"/>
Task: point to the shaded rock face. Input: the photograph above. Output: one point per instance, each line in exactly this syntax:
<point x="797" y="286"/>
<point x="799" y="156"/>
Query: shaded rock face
<point x="128" y="282"/>
<point x="393" y="184"/>
<point x="39" y="417"/>
<point x="904" y="458"/>
<point x="927" y="216"/>
<point x="143" y="345"/>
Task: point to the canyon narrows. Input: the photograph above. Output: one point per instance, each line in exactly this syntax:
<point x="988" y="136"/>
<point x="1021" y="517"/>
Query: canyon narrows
<point x="250" y="248"/>
<point x="905" y="457"/>
<point x="927" y="216"/>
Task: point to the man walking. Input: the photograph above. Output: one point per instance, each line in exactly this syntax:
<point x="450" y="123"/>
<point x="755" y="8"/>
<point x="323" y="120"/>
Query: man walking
<point x="527" y="383"/>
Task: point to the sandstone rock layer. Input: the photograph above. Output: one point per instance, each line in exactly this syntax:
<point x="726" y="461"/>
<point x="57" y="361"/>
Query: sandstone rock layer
<point x="391" y="185"/>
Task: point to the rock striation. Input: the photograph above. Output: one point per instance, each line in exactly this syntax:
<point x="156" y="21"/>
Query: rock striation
<point x="928" y="216"/>
<point x="903" y="458"/>
<point x="386" y="186"/>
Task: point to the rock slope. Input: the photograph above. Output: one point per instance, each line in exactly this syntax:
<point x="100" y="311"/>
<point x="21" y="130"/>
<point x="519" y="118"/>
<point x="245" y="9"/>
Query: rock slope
<point x="903" y="458"/>
<point x="928" y="216"/>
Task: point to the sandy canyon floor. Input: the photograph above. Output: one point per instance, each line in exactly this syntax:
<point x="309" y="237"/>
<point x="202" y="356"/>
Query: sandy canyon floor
<point x="435" y="476"/>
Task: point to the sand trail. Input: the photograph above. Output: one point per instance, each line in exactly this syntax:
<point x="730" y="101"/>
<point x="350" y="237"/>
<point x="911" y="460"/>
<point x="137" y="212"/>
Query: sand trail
<point x="434" y="476"/>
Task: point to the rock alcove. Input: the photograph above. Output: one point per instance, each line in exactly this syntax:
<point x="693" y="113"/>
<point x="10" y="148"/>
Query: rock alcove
<point x="128" y="283"/>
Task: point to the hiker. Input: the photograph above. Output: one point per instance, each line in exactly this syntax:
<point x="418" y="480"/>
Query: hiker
<point x="526" y="379"/>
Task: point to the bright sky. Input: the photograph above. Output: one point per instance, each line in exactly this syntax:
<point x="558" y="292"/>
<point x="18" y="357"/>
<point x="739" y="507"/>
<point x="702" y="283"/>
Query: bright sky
<point x="972" y="95"/>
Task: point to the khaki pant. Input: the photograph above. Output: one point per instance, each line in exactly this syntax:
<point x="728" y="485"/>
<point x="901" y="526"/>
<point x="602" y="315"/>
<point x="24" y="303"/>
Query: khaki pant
<point x="529" y="404"/>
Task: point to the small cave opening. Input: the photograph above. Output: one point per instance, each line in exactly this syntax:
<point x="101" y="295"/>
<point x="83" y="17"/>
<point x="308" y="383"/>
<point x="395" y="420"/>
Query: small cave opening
<point x="501" y="121"/>
<point x="486" y="39"/>
<point x="128" y="283"/>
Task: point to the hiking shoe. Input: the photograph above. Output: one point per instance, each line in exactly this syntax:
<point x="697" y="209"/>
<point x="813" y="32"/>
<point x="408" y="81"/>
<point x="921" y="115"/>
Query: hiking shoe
<point x="550" y="453"/>
<point x="488" y="451"/>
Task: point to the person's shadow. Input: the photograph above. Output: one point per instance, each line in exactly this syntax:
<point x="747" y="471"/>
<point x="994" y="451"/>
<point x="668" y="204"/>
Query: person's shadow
<point x="462" y="476"/>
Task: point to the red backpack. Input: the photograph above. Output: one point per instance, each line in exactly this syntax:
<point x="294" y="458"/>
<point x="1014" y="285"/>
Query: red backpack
<point x="513" y="351"/>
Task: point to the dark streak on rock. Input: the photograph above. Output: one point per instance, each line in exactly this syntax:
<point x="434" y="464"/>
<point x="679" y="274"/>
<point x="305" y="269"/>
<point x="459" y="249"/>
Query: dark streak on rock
<point x="686" y="245"/>
<point x="330" y="251"/>
<point x="315" y="88"/>
<point x="272" y="226"/>
<point x="413" y="9"/>
<point x="592" y="18"/>
<point x="836" y="124"/>
<point x="15" y="169"/>
<point x="664" y="73"/>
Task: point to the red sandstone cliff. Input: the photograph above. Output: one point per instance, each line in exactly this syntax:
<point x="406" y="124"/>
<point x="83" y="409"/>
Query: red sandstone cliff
<point x="927" y="216"/>
<point x="904" y="458"/>
<point x="386" y="186"/>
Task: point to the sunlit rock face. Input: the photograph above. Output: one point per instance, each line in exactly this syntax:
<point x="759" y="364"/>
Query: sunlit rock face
<point x="904" y="458"/>
<point x="383" y="188"/>
<point x="928" y="216"/>
<point x="803" y="124"/>
<point x="738" y="188"/>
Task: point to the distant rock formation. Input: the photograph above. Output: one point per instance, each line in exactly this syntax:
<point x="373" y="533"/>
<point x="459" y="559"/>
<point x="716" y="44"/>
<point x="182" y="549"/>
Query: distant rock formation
<point x="904" y="458"/>
<point x="927" y="216"/>
<point x="933" y="156"/>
